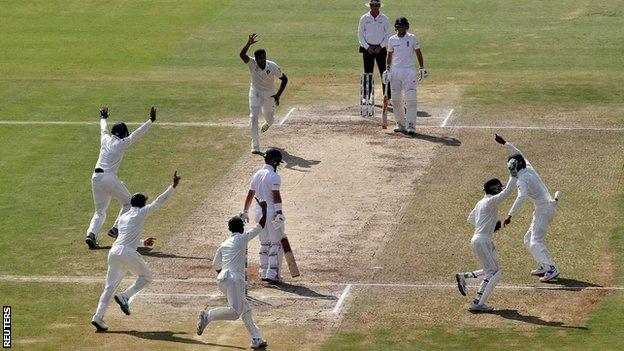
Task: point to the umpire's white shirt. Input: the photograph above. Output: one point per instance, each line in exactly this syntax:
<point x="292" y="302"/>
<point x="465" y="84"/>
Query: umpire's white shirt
<point x="112" y="148"/>
<point x="373" y="30"/>
<point x="485" y="214"/>
<point x="403" y="50"/>
<point x="264" y="182"/>
<point x="232" y="254"/>
<point x="263" y="80"/>
<point x="529" y="184"/>
<point x="131" y="223"/>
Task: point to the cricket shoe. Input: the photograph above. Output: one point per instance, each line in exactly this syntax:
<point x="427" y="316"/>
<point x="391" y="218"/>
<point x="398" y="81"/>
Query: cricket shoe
<point x="540" y="270"/>
<point x="122" y="300"/>
<point x="399" y="129"/>
<point x="113" y="232"/>
<point x="90" y="240"/>
<point x="552" y="273"/>
<point x="410" y="131"/>
<point x="557" y="195"/>
<point x="257" y="152"/>
<point x="99" y="324"/>
<point x="461" y="283"/>
<point x="480" y="307"/>
<point x="265" y="127"/>
<point x="258" y="343"/>
<point x="202" y="322"/>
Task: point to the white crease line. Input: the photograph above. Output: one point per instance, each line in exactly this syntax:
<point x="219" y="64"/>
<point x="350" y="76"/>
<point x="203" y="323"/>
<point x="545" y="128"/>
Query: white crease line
<point x="287" y="115"/>
<point x="448" y="117"/>
<point x="594" y="129"/>
<point x="342" y="299"/>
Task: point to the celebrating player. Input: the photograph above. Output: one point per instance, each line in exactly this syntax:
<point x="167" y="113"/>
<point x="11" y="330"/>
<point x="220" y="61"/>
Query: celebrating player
<point x="403" y="47"/>
<point x="485" y="219"/>
<point x="105" y="183"/>
<point x="230" y="264"/>
<point x="123" y="256"/>
<point x="262" y="97"/>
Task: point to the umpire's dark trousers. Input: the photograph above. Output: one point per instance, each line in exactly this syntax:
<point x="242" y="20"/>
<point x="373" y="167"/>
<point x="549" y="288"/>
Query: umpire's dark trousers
<point x="369" y="64"/>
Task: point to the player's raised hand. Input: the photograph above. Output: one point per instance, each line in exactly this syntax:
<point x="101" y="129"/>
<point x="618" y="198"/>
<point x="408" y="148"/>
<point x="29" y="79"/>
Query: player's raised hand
<point x="153" y="114"/>
<point x="149" y="242"/>
<point x="499" y="139"/>
<point x="253" y="38"/>
<point x="176" y="179"/>
<point x="104" y="112"/>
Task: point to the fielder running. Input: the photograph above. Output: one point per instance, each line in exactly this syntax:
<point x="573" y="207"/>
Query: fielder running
<point x="485" y="219"/>
<point x="403" y="47"/>
<point x="262" y="97"/>
<point x="373" y="32"/>
<point x="530" y="184"/>
<point x="105" y="183"/>
<point x="123" y="256"/>
<point x="265" y="186"/>
<point x="230" y="264"/>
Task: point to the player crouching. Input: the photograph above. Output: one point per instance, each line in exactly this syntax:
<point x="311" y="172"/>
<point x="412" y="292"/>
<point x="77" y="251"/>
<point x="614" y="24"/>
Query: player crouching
<point x="229" y="262"/>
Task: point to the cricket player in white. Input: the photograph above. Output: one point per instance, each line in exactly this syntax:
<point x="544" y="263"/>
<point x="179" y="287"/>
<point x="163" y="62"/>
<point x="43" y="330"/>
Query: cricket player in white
<point x="485" y="219"/>
<point x="531" y="185"/>
<point x="403" y="48"/>
<point x="105" y="183"/>
<point x="230" y="263"/>
<point x="262" y="97"/>
<point x="123" y="255"/>
<point x="265" y="186"/>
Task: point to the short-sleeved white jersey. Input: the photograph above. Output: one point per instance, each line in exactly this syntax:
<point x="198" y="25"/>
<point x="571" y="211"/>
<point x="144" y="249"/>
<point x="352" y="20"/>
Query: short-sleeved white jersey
<point x="485" y="214"/>
<point x="232" y="254"/>
<point x="263" y="80"/>
<point x="403" y="50"/>
<point x="373" y="30"/>
<point x="264" y="182"/>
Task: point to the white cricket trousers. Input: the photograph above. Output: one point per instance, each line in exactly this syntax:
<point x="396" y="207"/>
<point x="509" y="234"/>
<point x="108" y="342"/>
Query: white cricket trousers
<point x="403" y="84"/>
<point x="271" y="252"/>
<point x="233" y="287"/>
<point x="483" y="247"/>
<point x="122" y="259"/>
<point x="260" y="103"/>
<point x="104" y="186"/>
<point x="534" y="237"/>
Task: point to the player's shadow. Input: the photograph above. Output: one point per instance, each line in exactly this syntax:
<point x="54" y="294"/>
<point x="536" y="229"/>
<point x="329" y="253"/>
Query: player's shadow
<point x="423" y="114"/>
<point x="297" y="163"/>
<point x="167" y="335"/>
<point x="301" y="291"/>
<point x="448" y="141"/>
<point x="159" y="254"/>
<point x="103" y="247"/>
<point x="573" y="284"/>
<point x="517" y="316"/>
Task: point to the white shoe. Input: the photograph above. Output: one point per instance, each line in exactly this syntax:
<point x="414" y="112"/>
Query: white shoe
<point x="399" y="129"/>
<point x="540" y="270"/>
<point x="256" y="151"/>
<point x="258" y="343"/>
<point x="410" y="131"/>
<point x="99" y="324"/>
<point x="265" y="127"/>
<point x="552" y="273"/>
<point x="461" y="283"/>
<point x="480" y="307"/>
<point x="202" y="322"/>
<point x="122" y="301"/>
<point x="558" y="195"/>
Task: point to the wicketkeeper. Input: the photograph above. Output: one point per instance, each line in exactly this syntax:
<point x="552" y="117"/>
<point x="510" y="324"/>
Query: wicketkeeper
<point x="485" y="219"/>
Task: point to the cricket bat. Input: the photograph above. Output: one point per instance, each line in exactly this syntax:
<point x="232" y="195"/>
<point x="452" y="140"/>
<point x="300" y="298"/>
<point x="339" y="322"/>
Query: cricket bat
<point x="384" y="110"/>
<point x="290" y="258"/>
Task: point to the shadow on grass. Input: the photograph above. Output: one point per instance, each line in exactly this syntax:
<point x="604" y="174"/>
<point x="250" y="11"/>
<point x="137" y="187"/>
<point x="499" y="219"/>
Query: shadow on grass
<point x="301" y="291"/>
<point x="167" y="335"/>
<point x="573" y="284"/>
<point x="168" y="255"/>
<point x="448" y="141"/>
<point x="517" y="316"/>
<point x="102" y="248"/>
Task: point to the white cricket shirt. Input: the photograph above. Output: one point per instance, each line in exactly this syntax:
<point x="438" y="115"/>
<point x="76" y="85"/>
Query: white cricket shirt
<point x="529" y="184"/>
<point x="485" y="214"/>
<point x="232" y="253"/>
<point x="403" y="50"/>
<point x="373" y="30"/>
<point x="264" y="182"/>
<point x="263" y="80"/>
<point x="112" y="148"/>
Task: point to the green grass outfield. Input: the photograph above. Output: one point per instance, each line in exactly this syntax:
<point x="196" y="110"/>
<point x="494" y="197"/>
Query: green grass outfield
<point x="514" y="63"/>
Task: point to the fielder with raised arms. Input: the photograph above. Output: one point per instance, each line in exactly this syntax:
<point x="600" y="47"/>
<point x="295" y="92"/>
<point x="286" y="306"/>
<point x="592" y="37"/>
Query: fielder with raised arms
<point x="262" y="97"/>
<point x="485" y="219"/>
<point x="403" y="48"/>
<point x="123" y="255"/>
<point x="531" y="185"/>
<point x="265" y="186"/>
<point x="230" y="264"/>
<point x="105" y="183"/>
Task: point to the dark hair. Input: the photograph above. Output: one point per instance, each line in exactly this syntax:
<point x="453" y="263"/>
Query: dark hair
<point x="236" y="225"/>
<point x="138" y="200"/>
<point x="488" y="186"/>
<point x="259" y="52"/>
<point x="273" y="155"/>
<point x="120" y="129"/>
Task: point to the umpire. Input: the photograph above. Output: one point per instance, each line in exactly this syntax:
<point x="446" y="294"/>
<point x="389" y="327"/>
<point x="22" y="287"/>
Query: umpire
<point x="373" y="33"/>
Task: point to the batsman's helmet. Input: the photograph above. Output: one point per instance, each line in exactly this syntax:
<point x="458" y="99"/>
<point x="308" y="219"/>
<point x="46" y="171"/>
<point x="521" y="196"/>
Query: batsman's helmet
<point x="490" y="186"/>
<point x="120" y="129"/>
<point x="273" y="155"/>
<point x="401" y="22"/>
<point x="236" y="225"/>
<point x="138" y="200"/>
